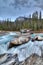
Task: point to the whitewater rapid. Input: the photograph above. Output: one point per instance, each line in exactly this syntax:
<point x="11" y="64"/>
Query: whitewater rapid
<point x="23" y="51"/>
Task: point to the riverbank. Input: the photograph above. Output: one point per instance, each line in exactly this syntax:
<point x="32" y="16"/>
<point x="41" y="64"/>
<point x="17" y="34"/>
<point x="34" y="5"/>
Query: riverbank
<point x="39" y="31"/>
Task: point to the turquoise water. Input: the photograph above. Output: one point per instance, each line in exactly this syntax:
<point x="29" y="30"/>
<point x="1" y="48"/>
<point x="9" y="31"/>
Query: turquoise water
<point x="37" y="34"/>
<point x="24" y="50"/>
<point x="6" y="38"/>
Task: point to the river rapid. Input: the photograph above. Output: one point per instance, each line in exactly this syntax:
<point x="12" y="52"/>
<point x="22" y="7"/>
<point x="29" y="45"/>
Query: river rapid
<point x="23" y="51"/>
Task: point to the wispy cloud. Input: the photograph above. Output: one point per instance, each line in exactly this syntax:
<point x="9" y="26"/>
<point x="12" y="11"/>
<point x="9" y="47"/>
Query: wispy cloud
<point x="19" y="7"/>
<point x="22" y="3"/>
<point x="27" y="3"/>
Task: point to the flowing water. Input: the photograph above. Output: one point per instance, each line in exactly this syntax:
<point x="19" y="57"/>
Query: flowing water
<point x="23" y="51"/>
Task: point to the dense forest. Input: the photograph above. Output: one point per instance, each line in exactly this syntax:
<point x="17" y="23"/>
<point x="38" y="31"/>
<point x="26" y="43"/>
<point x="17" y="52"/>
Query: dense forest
<point x="34" y="22"/>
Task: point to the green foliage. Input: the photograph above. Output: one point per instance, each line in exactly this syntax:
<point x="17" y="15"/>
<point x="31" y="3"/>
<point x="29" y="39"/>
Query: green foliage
<point x="33" y="23"/>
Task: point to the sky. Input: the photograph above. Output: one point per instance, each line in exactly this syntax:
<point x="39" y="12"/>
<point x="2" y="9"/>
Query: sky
<point x="14" y="8"/>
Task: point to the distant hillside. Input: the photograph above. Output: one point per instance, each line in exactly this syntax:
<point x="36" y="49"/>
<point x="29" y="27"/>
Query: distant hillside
<point x="34" y="22"/>
<point x="20" y="19"/>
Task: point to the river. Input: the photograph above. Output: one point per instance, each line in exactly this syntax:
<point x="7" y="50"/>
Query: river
<point x="23" y="51"/>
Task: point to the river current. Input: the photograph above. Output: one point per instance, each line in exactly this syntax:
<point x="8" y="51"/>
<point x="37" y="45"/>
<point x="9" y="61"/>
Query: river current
<point x="23" y="51"/>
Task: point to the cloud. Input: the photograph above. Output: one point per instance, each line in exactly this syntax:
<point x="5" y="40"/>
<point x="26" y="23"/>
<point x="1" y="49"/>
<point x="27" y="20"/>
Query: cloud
<point x="19" y="7"/>
<point x="21" y="3"/>
<point x="39" y="3"/>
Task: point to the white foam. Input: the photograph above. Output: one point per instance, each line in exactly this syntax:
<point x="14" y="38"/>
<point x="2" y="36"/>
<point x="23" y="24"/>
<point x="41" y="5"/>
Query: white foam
<point x="12" y="33"/>
<point x="24" y="50"/>
<point x="2" y="50"/>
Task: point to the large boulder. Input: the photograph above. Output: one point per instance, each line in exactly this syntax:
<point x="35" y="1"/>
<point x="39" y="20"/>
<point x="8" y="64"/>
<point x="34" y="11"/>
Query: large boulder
<point x="13" y="43"/>
<point x="27" y="39"/>
<point x="37" y="38"/>
<point x="18" y="41"/>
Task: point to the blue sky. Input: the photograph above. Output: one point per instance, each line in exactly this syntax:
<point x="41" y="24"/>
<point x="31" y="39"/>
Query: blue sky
<point x="15" y="8"/>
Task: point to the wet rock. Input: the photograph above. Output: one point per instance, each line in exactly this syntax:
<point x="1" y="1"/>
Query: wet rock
<point x="37" y="38"/>
<point x="11" y="60"/>
<point x="32" y="60"/>
<point x="27" y="39"/>
<point x="33" y="40"/>
<point x="18" y="41"/>
<point x="40" y="38"/>
<point x="3" y="57"/>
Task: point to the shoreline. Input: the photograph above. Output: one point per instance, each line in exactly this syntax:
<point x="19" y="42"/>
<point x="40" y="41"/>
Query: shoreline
<point x="37" y="31"/>
<point x="3" y="31"/>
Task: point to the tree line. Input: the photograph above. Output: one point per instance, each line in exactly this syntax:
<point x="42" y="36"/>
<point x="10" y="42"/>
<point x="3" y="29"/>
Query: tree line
<point x="34" y="22"/>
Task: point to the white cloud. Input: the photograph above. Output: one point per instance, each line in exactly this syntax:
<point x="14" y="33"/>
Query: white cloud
<point x="13" y="8"/>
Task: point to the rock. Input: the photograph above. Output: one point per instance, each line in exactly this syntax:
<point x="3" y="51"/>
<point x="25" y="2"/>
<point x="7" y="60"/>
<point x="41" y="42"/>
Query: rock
<point x="18" y="41"/>
<point x="32" y="60"/>
<point x="27" y="39"/>
<point x="37" y="38"/>
<point x="3" y="57"/>
<point x="15" y="41"/>
<point x="23" y="40"/>
<point x="33" y="40"/>
<point x="40" y="38"/>
<point x="11" y="60"/>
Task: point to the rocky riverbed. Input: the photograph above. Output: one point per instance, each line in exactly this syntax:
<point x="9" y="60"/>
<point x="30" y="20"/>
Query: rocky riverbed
<point x="30" y="53"/>
<point x="34" y="59"/>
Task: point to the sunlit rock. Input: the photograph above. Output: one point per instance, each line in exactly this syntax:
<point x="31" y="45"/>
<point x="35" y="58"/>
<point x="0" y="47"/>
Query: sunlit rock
<point x="38" y="38"/>
<point x="18" y="41"/>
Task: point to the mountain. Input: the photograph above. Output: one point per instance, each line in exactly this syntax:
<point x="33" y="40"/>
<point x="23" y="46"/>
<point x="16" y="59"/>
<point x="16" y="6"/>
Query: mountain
<point x="21" y="19"/>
